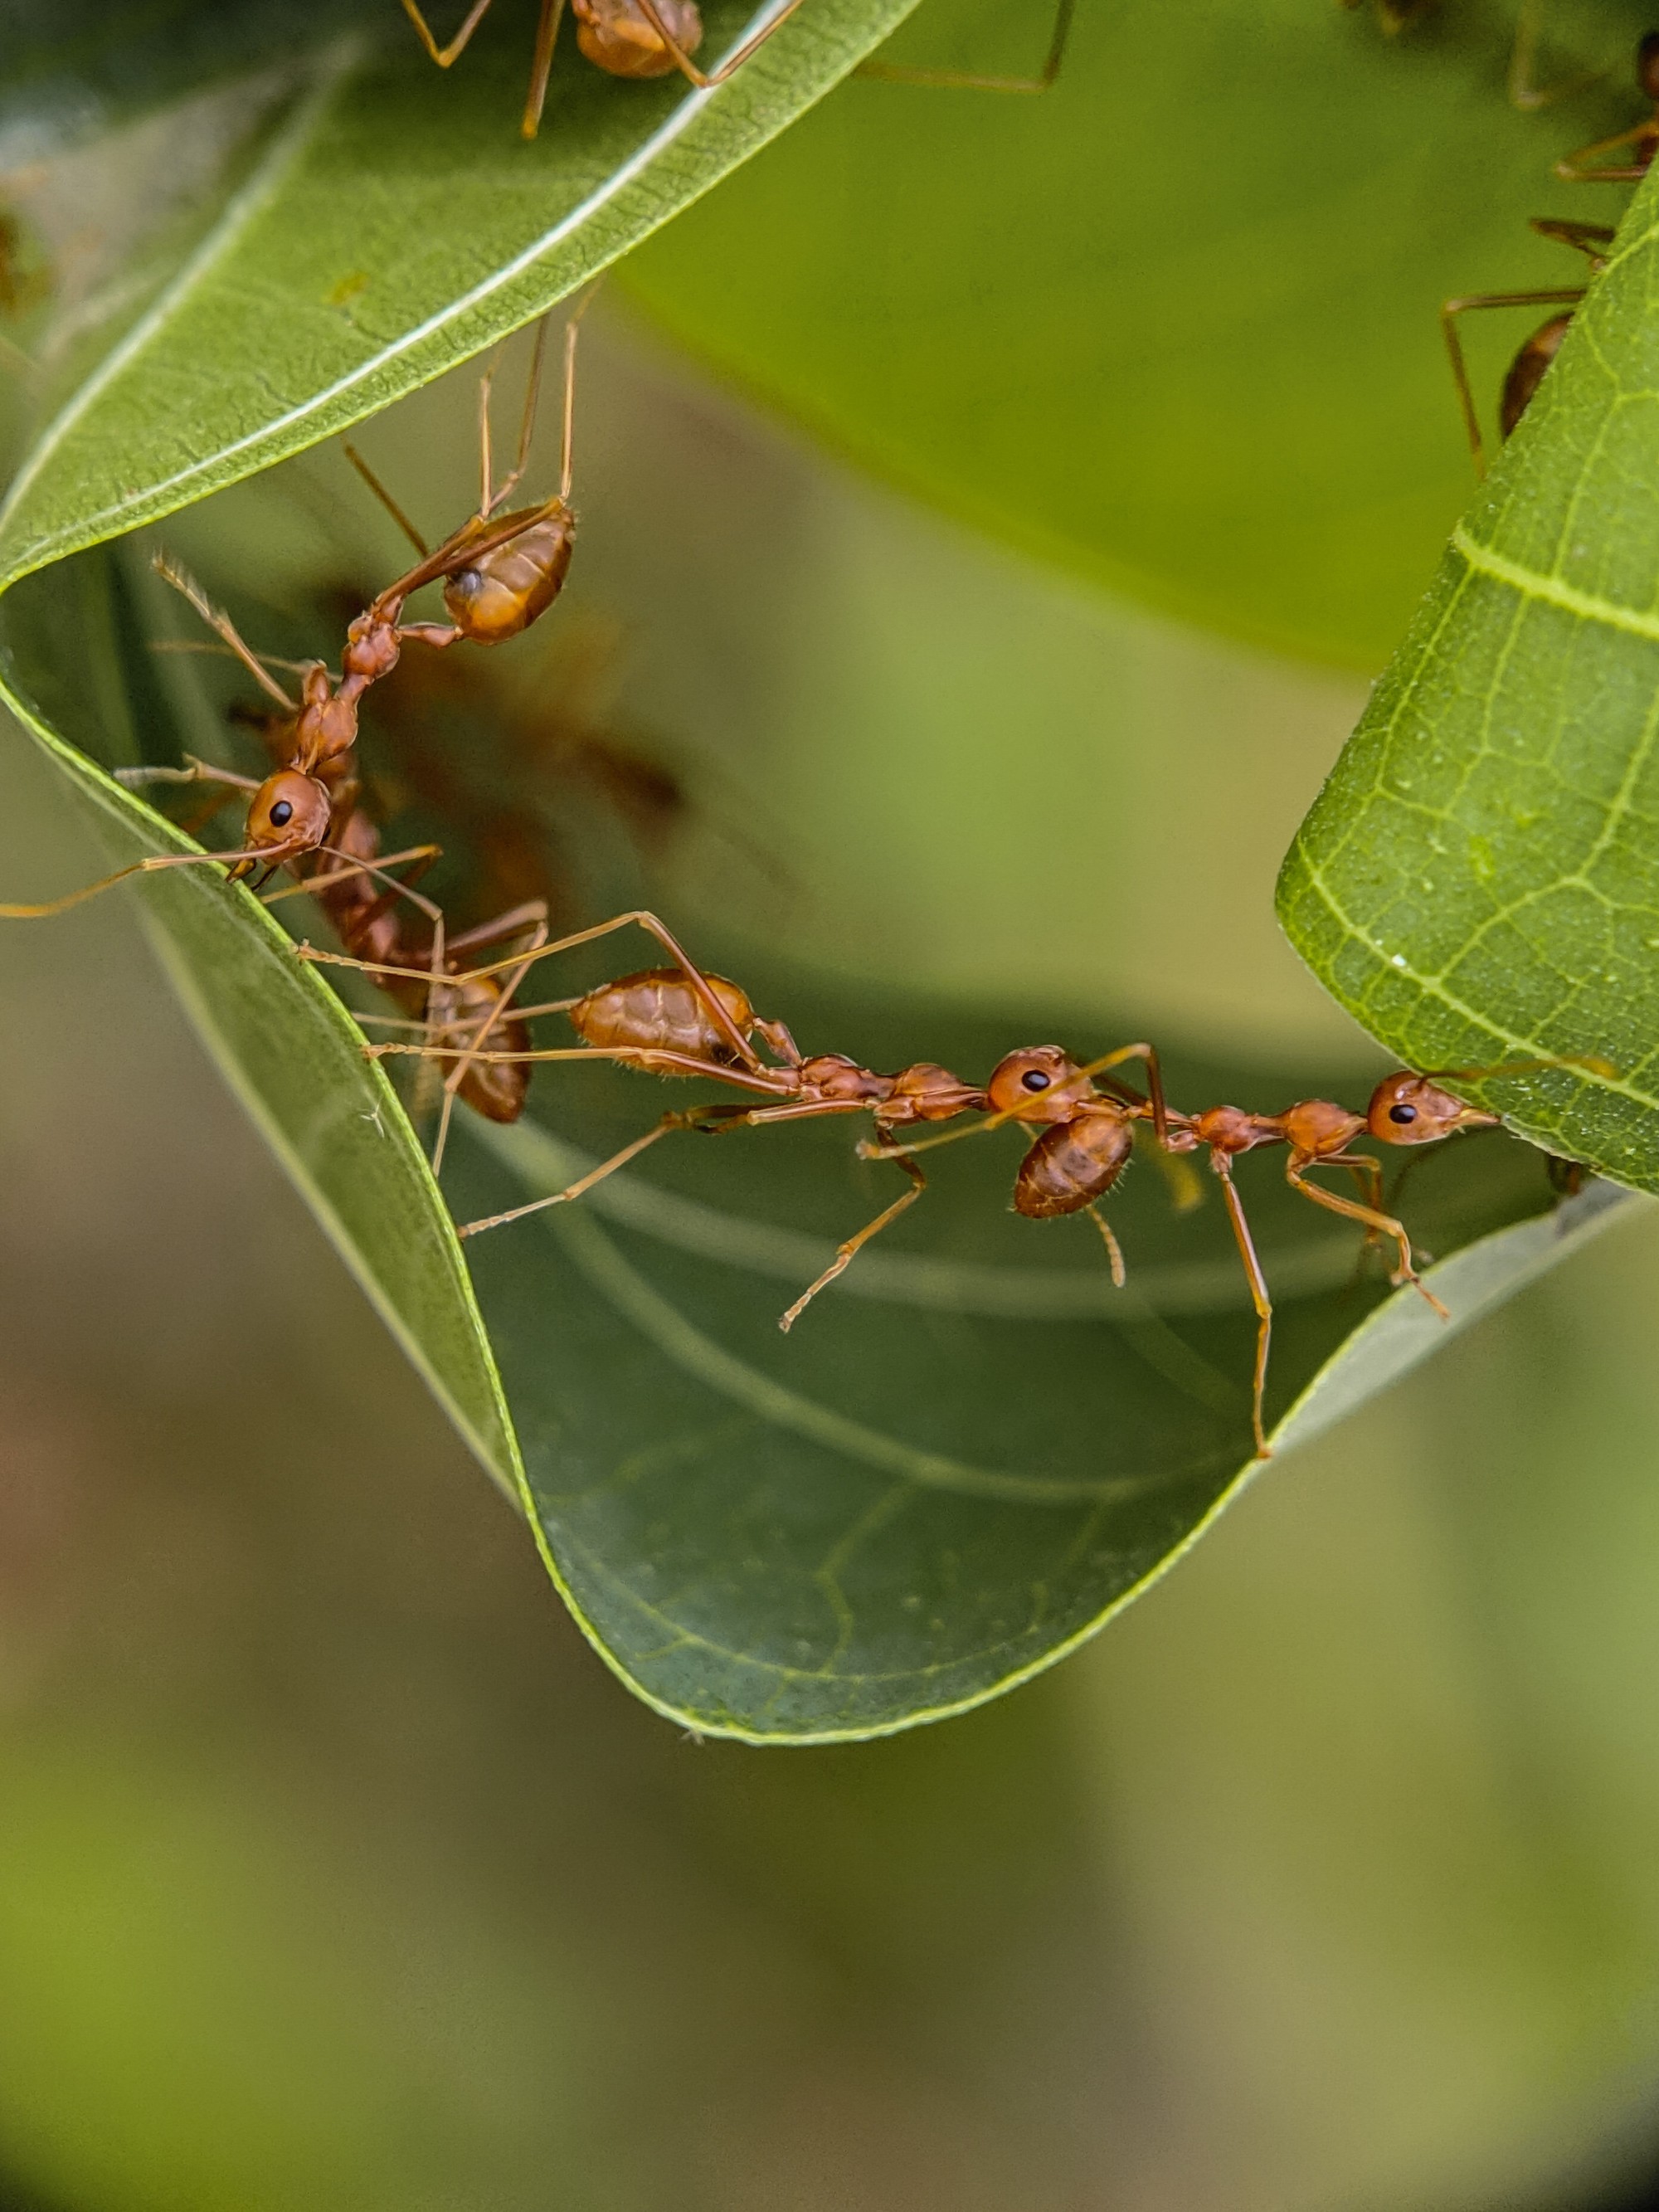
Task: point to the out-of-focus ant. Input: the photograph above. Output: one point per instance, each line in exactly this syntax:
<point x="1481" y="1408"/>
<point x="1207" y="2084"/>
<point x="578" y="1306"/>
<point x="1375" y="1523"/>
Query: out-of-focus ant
<point x="1525" y="372"/>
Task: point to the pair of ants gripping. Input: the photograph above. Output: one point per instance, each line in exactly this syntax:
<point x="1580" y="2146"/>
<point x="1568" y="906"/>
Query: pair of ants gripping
<point x="679" y="1021"/>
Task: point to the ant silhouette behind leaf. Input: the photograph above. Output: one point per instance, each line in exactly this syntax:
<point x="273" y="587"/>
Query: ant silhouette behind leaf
<point x="1527" y="371"/>
<point x="644" y="39"/>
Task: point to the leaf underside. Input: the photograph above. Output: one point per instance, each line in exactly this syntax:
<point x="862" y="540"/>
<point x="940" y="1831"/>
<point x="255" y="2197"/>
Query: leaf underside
<point x="1479" y="881"/>
<point x="388" y="223"/>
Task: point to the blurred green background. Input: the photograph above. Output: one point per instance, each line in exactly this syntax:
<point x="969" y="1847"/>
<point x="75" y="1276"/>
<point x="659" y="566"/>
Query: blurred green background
<point x="335" y="1871"/>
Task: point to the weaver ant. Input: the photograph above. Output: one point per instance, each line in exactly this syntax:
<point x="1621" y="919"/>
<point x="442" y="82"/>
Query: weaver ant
<point x="1584" y="167"/>
<point x="679" y="1021"/>
<point x="350" y="878"/>
<point x="1087" y="1139"/>
<point x="640" y="39"/>
<point x="1525" y="372"/>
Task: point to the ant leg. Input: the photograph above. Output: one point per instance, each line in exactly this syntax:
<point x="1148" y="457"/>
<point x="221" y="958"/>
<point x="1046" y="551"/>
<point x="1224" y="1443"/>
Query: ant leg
<point x="706" y="80"/>
<point x="1160" y="1112"/>
<point x="510" y="924"/>
<point x="696" y="1117"/>
<point x="1523" y="93"/>
<point x="1369" y="1216"/>
<point x="11" y="912"/>
<point x="504" y="491"/>
<point x="547" y="32"/>
<point x="445" y="55"/>
<point x="170" y="573"/>
<point x="1114" y="1249"/>
<point x="1259" y="1296"/>
<point x="453" y="1082"/>
<point x="135" y="779"/>
<point x="846" y="1253"/>
<point x="638" y="916"/>
<point x="1450" y="310"/>
<point x="386" y="499"/>
<point x="1582" y="166"/>
<point x="967" y="80"/>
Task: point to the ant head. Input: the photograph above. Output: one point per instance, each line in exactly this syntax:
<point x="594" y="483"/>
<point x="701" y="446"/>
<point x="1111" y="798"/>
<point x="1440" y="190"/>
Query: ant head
<point x="1410" y="1110"/>
<point x="289" y="816"/>
<point x="1647" y="67"/>
<point x="1039" y="1082"/>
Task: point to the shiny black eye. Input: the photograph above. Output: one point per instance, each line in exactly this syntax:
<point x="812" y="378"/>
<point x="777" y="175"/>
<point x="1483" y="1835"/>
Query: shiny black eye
<point x="1402" y="1112"/>
<point x="1035" y="1079"/>
<point x="281" y="814"/>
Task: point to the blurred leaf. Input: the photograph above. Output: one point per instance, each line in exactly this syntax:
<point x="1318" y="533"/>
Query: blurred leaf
<point x="1174" y="324"/>
<point x="950" y="1470"/>
<point x="390" y="222"/>
<point x="77" y="66"/>
<point x="1479" y="881"/>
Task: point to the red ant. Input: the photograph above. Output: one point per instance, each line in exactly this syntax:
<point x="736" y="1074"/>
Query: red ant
<point x="350" y="879"/>
<point x="640" y="39"/>
<point x="500" y="572"/>
<point x="680" y="1021"/>
<point x="1584" y="167"/>
<point x="1525" y="372"/>
<point x="1082" y="1151"/>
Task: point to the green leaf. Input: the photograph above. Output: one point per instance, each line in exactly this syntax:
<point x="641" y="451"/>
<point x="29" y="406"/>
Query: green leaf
<point x="1479" y="881"/>
<point x="76" y="67"/>
<point x="288" y="1048"/>
<point x="388" y="223"/>
<point x="965" y="1457"/>
<point x="969" y="1453"/>
<point x="1174" y="324"/>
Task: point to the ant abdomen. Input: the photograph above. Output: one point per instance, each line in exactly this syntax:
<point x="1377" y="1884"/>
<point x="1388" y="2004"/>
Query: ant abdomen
<point x="504" y="592"/>
<point x="660" y="1010"/>
<point x="1071" y="1164"/>
<point x="621" y="38"/>
<point x="1526" y="371"/>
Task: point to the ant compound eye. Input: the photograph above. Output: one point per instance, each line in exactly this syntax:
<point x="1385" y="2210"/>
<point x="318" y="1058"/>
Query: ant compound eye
<point x="1402" y="1112"/>
<point x="1035" y="1079"/>
<point x="281" y="814"/>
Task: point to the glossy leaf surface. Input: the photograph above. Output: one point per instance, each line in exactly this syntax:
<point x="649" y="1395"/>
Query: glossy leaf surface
<point x="1196" y="286"/>
<point x="385" y="221"/>
<point x="1479" y="879"/>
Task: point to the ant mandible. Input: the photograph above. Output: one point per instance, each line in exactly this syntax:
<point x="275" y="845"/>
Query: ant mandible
<point x="679" y="1021"/>
<point x="640" y="38"/>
